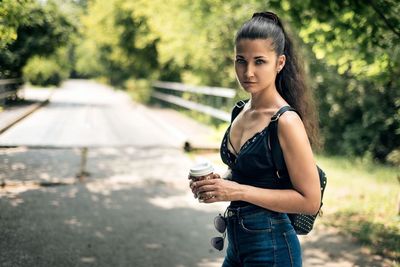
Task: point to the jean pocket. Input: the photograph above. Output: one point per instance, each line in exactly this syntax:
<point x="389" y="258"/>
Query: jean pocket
<point x="255" y="224"/>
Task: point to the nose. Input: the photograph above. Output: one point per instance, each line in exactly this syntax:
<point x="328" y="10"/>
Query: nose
<point x="249" y="73"/>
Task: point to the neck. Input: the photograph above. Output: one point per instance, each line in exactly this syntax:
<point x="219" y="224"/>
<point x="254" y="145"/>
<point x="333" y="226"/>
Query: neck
<point x="266" y="99"/>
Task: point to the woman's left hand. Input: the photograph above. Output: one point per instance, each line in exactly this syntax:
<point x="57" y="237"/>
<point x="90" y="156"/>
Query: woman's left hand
<point x="215" y="190"/>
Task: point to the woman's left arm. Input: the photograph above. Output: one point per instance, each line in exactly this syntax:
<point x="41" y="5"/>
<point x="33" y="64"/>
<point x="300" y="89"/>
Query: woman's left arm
<point x="305" y="196"/>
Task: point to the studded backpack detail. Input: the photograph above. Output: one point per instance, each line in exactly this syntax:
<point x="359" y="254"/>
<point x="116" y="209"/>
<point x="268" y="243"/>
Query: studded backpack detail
<point x="302" y="223"/>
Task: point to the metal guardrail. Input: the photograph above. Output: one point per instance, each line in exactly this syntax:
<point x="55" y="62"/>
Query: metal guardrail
<point x="9" y="89"/>
<point x="205" y="90"/>
<point x="169" y="88"/>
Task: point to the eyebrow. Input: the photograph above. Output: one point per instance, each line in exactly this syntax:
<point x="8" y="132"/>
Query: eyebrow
<point x="258" y="57"/>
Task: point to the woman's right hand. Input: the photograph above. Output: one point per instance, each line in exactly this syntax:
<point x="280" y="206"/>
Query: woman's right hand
<point x="214" y="176"/>
<point x="216" y="190"/>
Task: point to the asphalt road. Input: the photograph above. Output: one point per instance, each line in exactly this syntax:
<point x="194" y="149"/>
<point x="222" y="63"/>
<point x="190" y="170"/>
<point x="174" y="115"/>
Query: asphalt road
<point x="87" y="114"/>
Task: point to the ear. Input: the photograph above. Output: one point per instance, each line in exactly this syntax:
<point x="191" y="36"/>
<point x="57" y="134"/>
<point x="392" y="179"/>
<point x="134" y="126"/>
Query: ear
<point x="280" y="63"/>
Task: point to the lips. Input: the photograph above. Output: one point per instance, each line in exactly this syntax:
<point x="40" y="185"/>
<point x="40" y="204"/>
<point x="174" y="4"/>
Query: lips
<point x="249" y="83"/>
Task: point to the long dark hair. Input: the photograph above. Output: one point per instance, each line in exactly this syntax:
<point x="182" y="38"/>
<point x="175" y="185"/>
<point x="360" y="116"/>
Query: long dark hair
<point x="291" y="80"/>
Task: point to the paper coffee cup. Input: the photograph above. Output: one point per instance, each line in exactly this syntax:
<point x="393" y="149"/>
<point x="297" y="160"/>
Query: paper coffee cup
<point x="201" y="171"/>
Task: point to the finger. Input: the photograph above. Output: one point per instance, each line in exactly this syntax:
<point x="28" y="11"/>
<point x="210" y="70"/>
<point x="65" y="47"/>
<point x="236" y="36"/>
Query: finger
<point x="211" y="199"/>
<point x="195" y="186"/>
<point x="216" y="176"/>
<point x="205" y="188"/>
<point x="205" y="182"/>
<point x="207" y="195"/>
<point x="203" y="196"/>
<point x="195" y="183"/>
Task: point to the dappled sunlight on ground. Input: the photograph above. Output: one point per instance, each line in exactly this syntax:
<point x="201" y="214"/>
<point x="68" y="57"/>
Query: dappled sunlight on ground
<point x="111" y="170"/>
<point x="73" y="222"/>
<point x="114" y="183"/>
<point x="14" y="189"/>
<point x="88" y="259"/>
<point x="210" y="263"/>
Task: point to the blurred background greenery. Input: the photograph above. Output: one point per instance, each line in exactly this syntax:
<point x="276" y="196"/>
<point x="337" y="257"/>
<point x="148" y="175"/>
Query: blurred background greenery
<point x="350" y="50"/>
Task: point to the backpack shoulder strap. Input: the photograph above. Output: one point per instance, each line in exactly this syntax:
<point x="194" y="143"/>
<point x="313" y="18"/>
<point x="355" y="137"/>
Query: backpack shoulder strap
<point x="237" y="108"/>
<point x="277" y="154"/>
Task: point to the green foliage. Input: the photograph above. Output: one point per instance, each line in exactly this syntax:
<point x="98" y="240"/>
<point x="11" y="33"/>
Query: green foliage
<point x="37" y="29"/>
<point x="139" y="89"/>
<point x="394" y="157"/>
<point x="351" y="53"/>
<point x="354" y="62"/>
<point x="88" y="63"/>
<point x="120" y="42"/>
<point x="12" y="14"/>
<point x="44" y="72"/>
<point x="197" y="37"/>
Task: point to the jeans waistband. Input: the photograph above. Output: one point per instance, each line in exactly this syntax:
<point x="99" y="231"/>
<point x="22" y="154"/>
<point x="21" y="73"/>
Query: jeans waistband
<point x="245" y="210"/>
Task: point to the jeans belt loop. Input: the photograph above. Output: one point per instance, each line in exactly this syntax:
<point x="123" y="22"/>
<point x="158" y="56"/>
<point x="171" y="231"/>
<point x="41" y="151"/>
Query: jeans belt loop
<point x="234" y="212"/>
<point x="230" y="213"/>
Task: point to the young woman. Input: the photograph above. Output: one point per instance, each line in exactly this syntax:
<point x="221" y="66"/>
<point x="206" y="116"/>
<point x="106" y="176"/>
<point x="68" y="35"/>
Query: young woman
<point x="258" y="228"/>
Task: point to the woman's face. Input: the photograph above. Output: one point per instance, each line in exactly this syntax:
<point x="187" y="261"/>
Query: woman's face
<point x="257" y="64"/>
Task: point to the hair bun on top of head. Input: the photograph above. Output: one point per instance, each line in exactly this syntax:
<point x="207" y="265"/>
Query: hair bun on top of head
<point x="270" y="16"/>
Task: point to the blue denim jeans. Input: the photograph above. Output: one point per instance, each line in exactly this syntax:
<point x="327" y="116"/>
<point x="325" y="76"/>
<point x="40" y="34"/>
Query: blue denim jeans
<point x="259" y="237"/>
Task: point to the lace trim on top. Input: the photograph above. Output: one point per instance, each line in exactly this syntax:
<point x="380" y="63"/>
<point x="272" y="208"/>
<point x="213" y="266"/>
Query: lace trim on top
<point x="232" y="157"/>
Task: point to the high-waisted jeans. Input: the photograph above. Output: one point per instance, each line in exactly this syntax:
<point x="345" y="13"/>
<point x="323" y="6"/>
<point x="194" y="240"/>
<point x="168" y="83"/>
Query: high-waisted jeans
<point x="259" y="237"/>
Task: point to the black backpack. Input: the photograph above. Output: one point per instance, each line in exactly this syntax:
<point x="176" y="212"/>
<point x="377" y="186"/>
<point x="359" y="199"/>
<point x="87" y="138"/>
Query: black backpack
<point x="302" y="223"/>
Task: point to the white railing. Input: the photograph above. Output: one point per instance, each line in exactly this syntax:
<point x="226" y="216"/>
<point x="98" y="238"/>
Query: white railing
<point x="223" y="97"/>
<point x="9" y="89"/>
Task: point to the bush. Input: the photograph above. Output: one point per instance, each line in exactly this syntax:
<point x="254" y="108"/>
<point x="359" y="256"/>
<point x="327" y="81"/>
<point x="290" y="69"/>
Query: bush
<point x="139" y="89"/>
<point x="43" y="72"/>
<point x="394" y="157"/>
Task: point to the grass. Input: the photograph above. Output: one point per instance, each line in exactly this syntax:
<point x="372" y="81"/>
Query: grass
<point x="361" y="199"/>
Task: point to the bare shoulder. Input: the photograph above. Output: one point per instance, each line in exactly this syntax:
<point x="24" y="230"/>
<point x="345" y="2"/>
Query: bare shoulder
<point x="291" y="126"/>
<point x="290" y="120"/>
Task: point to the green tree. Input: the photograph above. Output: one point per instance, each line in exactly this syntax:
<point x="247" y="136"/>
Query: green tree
<point x="120" y="41"/>
<point x="40" y="30"/>
<point x="12" y="14"/>
<point x="196" y="38"/>
<point x="355" y="63"/>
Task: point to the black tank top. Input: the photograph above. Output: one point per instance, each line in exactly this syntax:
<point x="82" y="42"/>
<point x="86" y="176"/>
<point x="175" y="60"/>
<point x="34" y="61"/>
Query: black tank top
<point x="253" y="164"/>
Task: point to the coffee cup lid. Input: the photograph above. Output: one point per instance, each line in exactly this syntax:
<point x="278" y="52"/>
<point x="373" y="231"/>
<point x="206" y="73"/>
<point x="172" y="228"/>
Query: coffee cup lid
<point x="201" y="169"/>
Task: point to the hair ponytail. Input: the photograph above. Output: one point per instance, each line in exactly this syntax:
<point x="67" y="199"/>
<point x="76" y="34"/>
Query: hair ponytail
<point x="290" y="81"/>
